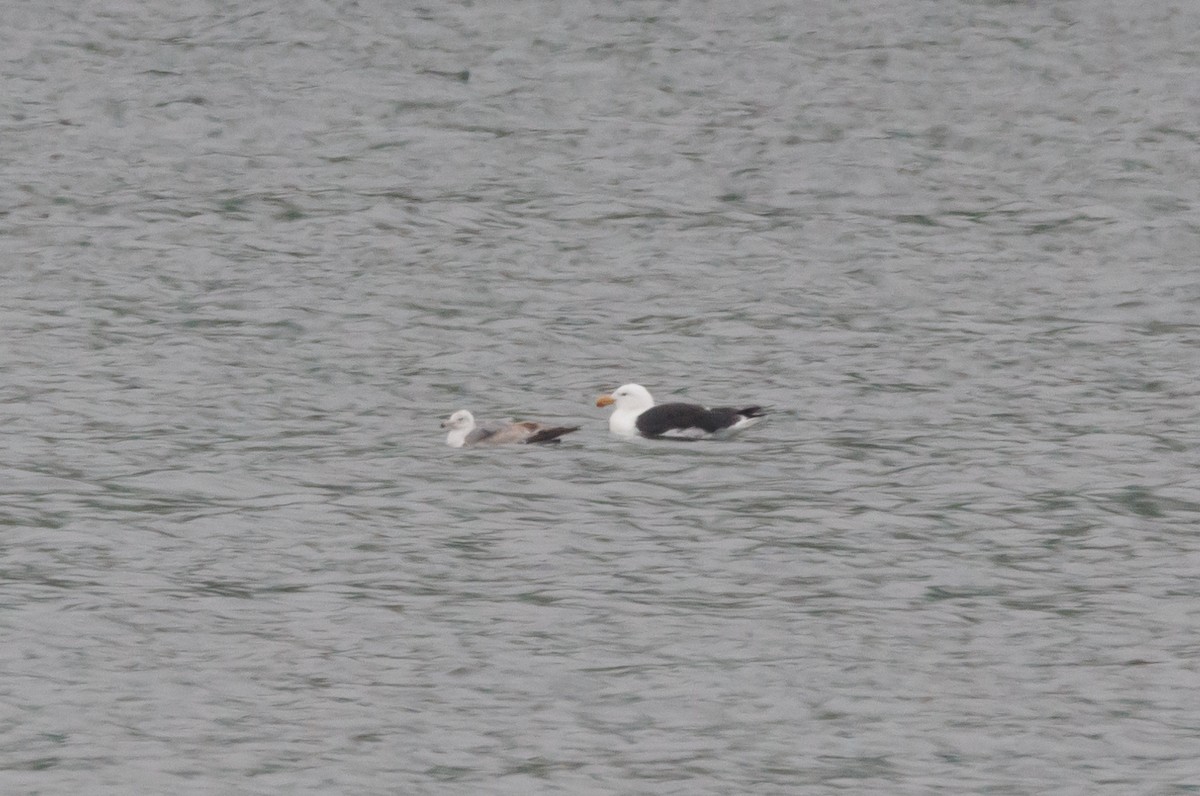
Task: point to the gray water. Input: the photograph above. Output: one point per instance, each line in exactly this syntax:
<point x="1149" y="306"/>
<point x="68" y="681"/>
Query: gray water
<point x="252" y="254"/>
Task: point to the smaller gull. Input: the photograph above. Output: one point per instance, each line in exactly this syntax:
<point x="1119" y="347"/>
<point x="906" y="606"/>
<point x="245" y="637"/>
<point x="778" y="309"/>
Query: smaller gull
<point x="464" y="431"/>
<point x="636" y="414"/>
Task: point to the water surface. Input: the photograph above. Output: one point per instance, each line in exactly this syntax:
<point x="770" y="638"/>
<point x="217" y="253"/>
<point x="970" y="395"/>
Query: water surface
<point x="252" y="257"/>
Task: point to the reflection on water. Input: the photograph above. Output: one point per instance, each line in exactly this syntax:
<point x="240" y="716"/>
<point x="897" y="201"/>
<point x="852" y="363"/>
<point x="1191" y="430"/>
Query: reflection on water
<point x="252" y="260"/>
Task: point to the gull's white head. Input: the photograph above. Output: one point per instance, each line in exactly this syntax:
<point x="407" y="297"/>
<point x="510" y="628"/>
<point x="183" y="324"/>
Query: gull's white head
<point x="460" y="419"/>
<point x="629" y="397"/>
<point x="461" y="423"/>
<point x="630" y="400"/>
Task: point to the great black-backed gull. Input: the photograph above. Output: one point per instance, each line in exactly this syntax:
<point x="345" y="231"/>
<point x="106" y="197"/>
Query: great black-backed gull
<point x="637" y="415"/>
<point x="464" y="431"/>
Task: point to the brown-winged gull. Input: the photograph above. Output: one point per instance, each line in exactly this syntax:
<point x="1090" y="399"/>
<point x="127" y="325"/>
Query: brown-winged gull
<point x="465" y="432"/>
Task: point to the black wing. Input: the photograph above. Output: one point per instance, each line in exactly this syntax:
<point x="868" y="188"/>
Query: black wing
<point x="681" y="418"/>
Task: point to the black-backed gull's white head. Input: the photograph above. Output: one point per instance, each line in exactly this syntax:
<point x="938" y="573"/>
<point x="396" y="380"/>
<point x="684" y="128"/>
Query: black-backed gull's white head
<point x="630" y="400"/>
